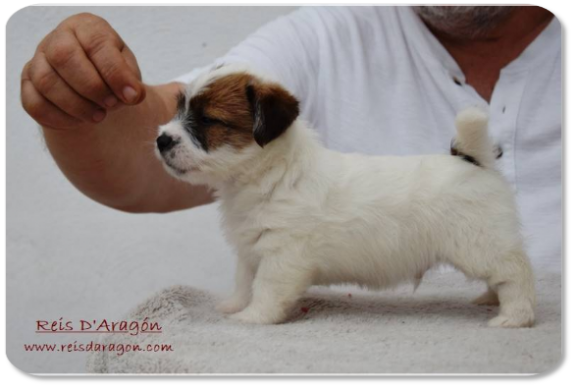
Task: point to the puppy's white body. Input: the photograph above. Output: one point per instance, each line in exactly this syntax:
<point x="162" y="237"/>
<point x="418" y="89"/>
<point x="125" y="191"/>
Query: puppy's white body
<point x="321" y="217"/>
<point x="299" y="214"/>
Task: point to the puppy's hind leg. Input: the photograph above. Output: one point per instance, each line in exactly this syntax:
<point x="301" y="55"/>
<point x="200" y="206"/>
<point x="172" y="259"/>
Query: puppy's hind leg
<point x="510" y="282"/>
<point x="513" y="280"/>
<point x="278" y="285"/>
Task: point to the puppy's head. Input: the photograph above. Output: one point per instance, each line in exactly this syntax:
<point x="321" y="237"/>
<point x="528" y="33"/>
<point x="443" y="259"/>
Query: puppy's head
<point x="226" y="118"/>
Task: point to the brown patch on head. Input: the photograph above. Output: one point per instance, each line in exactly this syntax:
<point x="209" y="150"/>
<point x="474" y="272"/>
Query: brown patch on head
<point x="237" y="110"/>
<point x="222" y="112"/>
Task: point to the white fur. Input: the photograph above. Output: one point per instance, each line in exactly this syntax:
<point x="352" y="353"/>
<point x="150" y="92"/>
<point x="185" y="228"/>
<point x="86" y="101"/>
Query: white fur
<point x="299" y="215"/>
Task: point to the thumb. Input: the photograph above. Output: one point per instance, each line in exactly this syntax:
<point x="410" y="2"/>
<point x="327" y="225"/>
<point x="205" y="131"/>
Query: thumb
<point x="132" y="64"/>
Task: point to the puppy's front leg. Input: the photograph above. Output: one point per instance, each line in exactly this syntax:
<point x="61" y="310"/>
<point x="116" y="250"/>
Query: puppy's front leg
<point x="278" y="285"/>
<point x="244" y="276"/>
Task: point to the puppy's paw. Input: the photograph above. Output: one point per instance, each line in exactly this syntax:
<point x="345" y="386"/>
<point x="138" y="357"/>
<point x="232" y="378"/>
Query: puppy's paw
<point x="489" y="298"/>
<point x="503" y="321"/>
<point x="232" y="305"/>
<point x="255" y="316"/>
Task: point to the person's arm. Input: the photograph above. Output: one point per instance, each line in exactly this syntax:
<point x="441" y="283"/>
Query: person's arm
<point x="100" y="121"/>
<point x="113" y="162"/>
<point x="102" y="134"/>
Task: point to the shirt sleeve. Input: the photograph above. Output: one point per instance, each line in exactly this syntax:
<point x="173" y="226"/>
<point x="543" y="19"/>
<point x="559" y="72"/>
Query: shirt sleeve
<point x="287" y="49"/>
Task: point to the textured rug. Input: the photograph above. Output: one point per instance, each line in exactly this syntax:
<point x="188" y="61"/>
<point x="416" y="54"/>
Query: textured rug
<point x="344" y="330"/>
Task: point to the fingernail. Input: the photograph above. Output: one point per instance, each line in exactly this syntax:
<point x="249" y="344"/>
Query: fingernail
<point x="110" y="101"/>
<point x="98" y="115"/>
<point x="129" y="94"/>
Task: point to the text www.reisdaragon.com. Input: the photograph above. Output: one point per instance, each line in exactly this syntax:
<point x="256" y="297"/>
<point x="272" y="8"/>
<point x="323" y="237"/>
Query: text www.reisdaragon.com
<point x="119" y="348"/>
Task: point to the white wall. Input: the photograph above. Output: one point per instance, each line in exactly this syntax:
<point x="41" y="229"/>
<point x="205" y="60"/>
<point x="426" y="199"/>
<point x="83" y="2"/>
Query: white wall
<point x="71" y="257"/>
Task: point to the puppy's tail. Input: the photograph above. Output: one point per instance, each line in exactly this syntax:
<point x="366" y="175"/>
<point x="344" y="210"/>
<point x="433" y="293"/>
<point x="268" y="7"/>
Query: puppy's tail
<point x="473" y="142"/>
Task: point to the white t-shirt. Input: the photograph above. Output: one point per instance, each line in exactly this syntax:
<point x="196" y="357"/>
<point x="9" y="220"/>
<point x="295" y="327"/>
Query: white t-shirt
<point x="375" y="80"/>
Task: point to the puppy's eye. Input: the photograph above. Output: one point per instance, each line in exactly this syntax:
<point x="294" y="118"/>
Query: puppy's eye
<point x="207" y="121"/>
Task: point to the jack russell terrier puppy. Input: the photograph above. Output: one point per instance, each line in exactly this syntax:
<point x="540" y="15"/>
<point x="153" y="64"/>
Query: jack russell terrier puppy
<point x="299" y="214"/>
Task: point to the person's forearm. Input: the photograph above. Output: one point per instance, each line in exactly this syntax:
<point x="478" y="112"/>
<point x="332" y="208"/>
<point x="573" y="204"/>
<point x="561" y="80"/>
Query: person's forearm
<point x="114" y="163"/>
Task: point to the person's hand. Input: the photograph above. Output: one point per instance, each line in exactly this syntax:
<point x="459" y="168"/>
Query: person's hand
<point x="80" y="70"/>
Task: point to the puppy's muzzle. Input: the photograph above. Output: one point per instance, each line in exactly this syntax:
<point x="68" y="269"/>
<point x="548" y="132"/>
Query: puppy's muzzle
<point x="165" y="142"/>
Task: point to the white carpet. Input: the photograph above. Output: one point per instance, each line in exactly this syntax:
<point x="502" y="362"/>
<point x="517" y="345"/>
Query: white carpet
<point x="346" y="330"/>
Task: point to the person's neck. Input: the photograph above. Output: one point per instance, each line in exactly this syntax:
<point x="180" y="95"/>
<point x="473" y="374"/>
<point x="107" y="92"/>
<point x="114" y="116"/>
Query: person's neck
<point x="481" y="58"/>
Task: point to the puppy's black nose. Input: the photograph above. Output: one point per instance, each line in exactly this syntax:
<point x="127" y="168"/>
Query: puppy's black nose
<point x="165" y="142"/>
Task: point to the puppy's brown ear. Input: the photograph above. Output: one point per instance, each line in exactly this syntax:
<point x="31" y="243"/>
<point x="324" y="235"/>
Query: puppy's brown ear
<point x="274" y="110"/>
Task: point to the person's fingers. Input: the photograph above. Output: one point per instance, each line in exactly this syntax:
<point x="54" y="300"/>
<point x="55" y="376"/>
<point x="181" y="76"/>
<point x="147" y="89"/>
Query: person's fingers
<point x="105" y="50"/>
<point x="69" y="60"/>
<point x="52" y="87"/>
<point x="44" y="112"/>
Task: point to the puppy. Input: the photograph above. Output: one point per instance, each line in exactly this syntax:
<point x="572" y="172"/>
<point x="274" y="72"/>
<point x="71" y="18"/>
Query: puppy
<point x="300" y="215"/>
